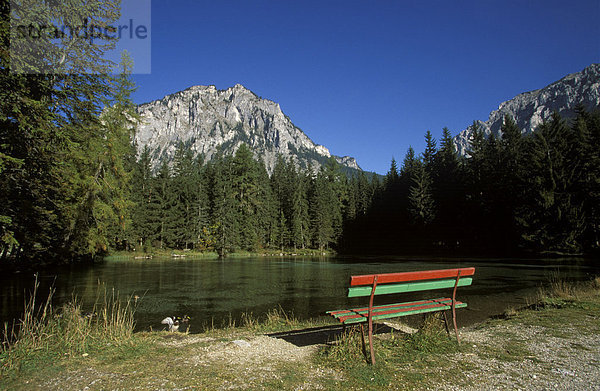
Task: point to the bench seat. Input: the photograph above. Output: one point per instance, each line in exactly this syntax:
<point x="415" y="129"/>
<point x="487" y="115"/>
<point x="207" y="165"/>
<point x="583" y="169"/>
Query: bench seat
<point x="358" y="315"/>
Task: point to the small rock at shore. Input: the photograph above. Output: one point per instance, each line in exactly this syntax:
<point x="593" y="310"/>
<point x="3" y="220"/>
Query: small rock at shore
<point x="241" y="343"/>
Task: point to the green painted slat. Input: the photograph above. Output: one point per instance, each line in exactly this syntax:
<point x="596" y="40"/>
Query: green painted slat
<point x="397" y="315"/>
<point x="408" y="304"/>
<point x="408" y="287"/>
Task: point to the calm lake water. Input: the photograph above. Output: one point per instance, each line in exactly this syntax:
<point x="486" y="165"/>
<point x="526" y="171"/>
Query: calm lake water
<point x="213" y="291"/>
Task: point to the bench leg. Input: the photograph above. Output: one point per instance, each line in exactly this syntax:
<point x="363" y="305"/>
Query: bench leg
<point x="362" y="334"/>
<point x="455" y="327"/>
<point x="454" y="307"/>
<point x="371" y="340"/>
<point x="371" y="320"/>
<point x="446" y="323"/>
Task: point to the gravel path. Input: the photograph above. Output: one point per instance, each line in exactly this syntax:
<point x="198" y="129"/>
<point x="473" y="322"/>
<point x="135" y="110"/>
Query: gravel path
<point x="503" y="356"/>
<point x="569" y="362"/>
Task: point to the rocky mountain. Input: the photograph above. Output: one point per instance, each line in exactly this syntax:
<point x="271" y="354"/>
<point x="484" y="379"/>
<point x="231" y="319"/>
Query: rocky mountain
<point x="208" y="120"/>
<point x="532" y="108"/>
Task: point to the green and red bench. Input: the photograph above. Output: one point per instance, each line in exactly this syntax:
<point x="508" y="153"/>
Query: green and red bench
<point x="372" y="285"/>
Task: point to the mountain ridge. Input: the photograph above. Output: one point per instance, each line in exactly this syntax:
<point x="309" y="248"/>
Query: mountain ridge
<point x="529" y="109"/>
<point x="209" y="120"/>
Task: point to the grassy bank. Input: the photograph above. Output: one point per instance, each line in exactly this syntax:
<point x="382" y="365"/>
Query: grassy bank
<point x="214" y="255"/>
<point x="550" y="344"/>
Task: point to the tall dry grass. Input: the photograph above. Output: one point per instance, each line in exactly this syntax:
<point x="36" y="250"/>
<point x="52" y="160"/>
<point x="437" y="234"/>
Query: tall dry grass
<point x="45" y="333"/>
<point x="561" y="288"/>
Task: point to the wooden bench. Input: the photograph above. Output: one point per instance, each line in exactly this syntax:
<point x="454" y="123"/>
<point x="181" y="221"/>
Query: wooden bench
<point x="393" y="283"/>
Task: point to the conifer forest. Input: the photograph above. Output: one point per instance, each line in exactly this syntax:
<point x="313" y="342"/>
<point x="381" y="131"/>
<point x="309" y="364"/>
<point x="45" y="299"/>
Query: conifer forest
<point x="73" y="186"/>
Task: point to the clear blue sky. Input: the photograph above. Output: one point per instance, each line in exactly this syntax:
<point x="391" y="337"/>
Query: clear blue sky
<point x="368" y="78"/>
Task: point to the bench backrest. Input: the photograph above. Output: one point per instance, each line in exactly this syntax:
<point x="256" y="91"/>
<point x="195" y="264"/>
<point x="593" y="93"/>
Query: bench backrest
<point x="409" y="281"/>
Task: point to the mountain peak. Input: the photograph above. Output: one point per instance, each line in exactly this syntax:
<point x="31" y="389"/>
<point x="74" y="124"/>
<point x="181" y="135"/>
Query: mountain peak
<point x="208" y="120"/>
<point x="239" y="87"/>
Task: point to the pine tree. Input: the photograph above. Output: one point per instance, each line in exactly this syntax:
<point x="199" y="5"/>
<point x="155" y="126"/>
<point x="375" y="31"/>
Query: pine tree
<point x="511" y="136"/>
<point x="422" y="207"/>
<point x="584" y="164"/>
<point x="323" y="211"/>
<point x="182" y="216"/>
<point x="337" y="198"/>
<point x="142" y="196"/>
<point x="509" y="182"/>
<point x="225" y="209"/>
<point x="282" y="233"/>
<point x="447" y="158"/>
<point x="391" y="179"/>
<point x="365" y="194"/>
<point x="280" y="184"/>
<point x="266" y="210"/>
<point x="247" y="195"/>
<point x="554" y="218"/>
<point x="200" y="206"/>
<point x="300" y="213"/>
<point x="162" y="204"/>
<point x="409" y="163"/>
<point x="430" y="152"/>
<point x="351" y="207"/>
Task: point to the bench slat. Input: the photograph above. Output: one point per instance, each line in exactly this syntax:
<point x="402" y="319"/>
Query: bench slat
<point x="407" y="287"/>
<point x="397" y="310"/>
<point x="337" y="313"/>
<point x="386" y="278"/>
<point x="406" y="313"/>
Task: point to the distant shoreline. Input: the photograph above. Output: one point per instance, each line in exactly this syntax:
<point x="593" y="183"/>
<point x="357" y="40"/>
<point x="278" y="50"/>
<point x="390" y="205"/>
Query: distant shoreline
<point x="137" y="255"/>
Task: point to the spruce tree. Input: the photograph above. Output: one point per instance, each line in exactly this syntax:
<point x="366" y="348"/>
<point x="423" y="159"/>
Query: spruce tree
<point x="300" y="220"/>
<point x="323" y="211"/>
<point x="161" y="205"/>
<point x="224" y="207"/>
<point x="247" y="196"/>
<point x="421" y="204"/>
<point x="391" y="179"/>
<point x="554" y="219"/>
<point x="182" y="216"/>
<point x="200" y="207"/>
<point x="430" y="152"/>
<point x="280" y="184"/>
<point x="338" y="196"/>
<point x="584" y="163"/>
<point x="142" y="196"/>
<point x="365" y="194"/>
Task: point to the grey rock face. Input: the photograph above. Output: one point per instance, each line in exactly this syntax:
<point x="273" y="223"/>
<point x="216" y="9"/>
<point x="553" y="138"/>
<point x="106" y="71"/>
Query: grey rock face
<point x="207" y="119"/>
<point x="530" y="109"/>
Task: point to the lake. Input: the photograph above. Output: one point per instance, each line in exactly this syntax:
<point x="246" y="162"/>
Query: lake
<point x="212" y="291"/>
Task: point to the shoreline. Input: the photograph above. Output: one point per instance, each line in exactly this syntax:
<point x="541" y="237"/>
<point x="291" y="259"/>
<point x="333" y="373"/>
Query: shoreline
<point x="213" y="255"/>
<point x="553" y="344"/>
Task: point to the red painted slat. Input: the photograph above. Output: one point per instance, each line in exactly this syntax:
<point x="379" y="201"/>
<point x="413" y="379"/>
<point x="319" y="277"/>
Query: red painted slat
<point x="410" y="303"/>
<point x="362" y="312"/>
<point x="410" y="276"/>
<point x="424" y="307"/>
